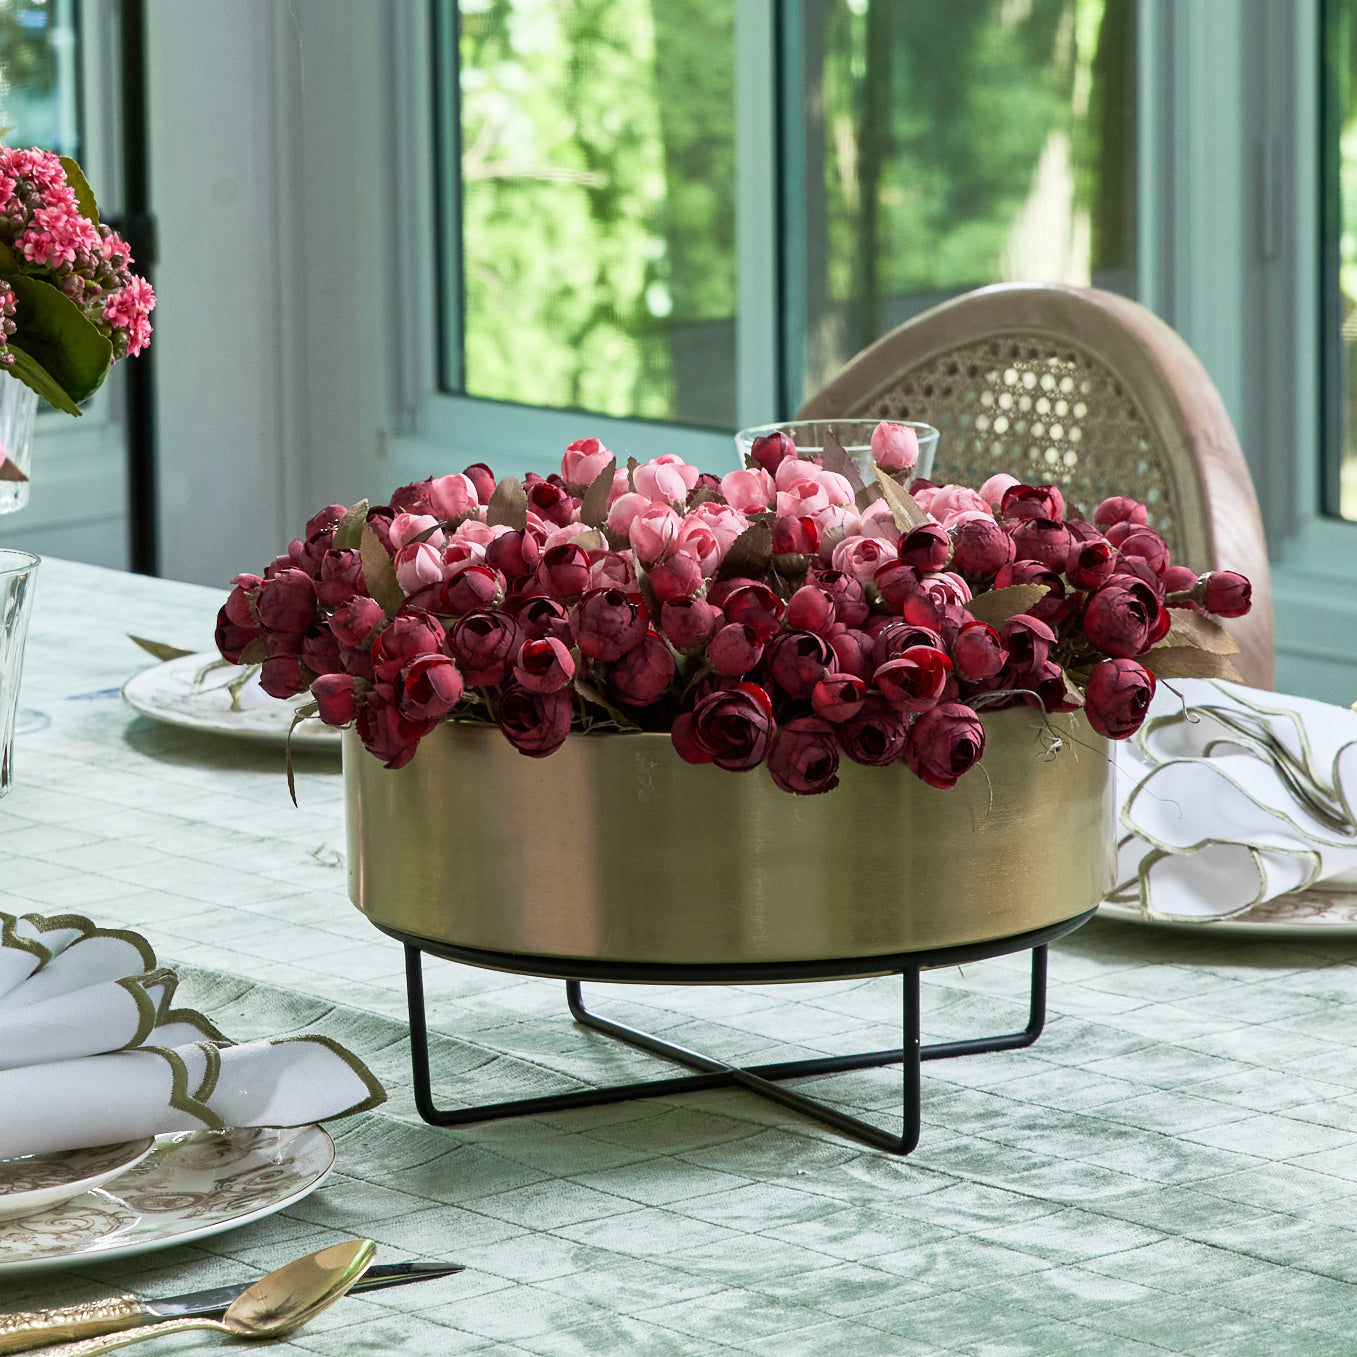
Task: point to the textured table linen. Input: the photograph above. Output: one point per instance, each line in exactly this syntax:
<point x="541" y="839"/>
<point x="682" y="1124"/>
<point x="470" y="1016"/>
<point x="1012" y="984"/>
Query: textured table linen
<point x="1172" y="1168"/>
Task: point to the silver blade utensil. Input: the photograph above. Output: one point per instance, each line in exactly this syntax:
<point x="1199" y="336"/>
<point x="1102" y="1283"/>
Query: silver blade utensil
<point x="36" y="1328"/>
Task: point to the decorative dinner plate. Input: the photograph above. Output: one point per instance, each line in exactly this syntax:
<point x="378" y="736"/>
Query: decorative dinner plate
<point x="1321" y="912"/>
<point x="192" y="691"/>
<point x="37" y="1182"/>
<point x="192" y="1185"/>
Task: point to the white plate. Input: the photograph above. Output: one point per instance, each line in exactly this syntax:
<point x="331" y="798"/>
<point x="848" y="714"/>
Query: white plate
<point x="1319" y="913"/>
<point x="36" y="1182"/>
<point x="171" y="692"/>
<point x="192" y="1185"/>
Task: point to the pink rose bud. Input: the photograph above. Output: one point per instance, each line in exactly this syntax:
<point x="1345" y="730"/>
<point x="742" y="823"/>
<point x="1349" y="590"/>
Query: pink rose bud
<point x="1033" y="501"/>
<point x="747" y="491"/>
<point x="1028" y="641"/>
<point x="287" y="602"/>
<point x="757" y="607"/>
<point x="927" y="547"/>
<point x="485" y="646"/>
<point x="653" y="533"/>
<point x="355" y="623"/>
<point x="848" y="594"/>
<point x="678" y="577"/>
<point x="1089" y="565"/>
<point x="1042" y="539"/>
<point x="428" y="688"/>
<point x="735" y="650"/>
<point x="552" y="503"/>
<point x="563" y="570"/>
<point x="385" y="732"/>
<point x="644" y="673"/>
<point x="944" y="743"/>
<point x="895" y="447"/>
<point x="418" y="565"/>
<point x="915" y="680"/>
<point x="335" y="696"/>
<point x="731" y="727"/>
<point x="478" y="588"/>
<point x="979" y="545"/>
<point x="978" y="653"/>
<point x="452" y="496"/>
<point x="1120" y="509"/>
<point x="689" y="622"/>
<point x="876" y="735"/>
<point x="994" y="489"/>
<point x="661" y="482"/>
<point x="795" y="537"/>
<point x="1120" y="618"/>
<point x="483" y="479"/>
<point x="543" y="617"/>
<point x="861" y="557"/>
<point x="514" y="554"/>
<point x="797" y="661"/>
<point x="583" y="462"/>
<point x="804" y="758"/>
<point x="771" y="450"/>
<point x="810" y="609"/>
<point x="838" y="697"/>
<point x="1225" y="593"/>
<point x="1117" y="697"/>
<point x="606" y="623"/>
<point x="407" y="635"/>
<point x="536" y="724"/>
<point x="1148" y="546"/>
<point x="544" y="665"/>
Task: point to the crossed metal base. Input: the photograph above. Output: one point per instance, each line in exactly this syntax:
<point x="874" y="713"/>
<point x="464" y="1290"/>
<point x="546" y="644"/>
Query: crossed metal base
<point x="713" y="1073"/>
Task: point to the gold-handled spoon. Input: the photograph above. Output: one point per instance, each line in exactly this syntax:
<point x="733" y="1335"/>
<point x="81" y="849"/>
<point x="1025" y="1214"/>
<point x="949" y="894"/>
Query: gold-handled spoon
<point x="274" y="1305"/>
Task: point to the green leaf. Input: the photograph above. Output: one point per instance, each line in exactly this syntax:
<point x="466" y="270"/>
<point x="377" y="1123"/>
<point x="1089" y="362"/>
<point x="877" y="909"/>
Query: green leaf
<point x="349" y="533"/>
<point x="57" y="350"/>
<point x="508" y="506"/>
<point x="379" y="574"/>
<point x="8" y="259"/>
<point x="84" y="195"/>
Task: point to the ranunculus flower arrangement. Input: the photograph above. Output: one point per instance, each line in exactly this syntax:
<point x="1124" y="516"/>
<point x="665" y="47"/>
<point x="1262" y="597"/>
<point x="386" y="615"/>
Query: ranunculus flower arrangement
<point x="785" y="615"/>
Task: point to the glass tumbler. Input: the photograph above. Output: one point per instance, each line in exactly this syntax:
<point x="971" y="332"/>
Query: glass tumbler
<point x="16" y="598"/>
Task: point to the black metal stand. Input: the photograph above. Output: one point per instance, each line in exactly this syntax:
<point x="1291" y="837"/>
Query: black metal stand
<point x="713" y="1073"/>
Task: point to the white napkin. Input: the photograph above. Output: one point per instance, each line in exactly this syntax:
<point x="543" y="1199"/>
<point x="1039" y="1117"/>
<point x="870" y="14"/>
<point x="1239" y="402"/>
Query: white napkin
<point x="91" y="1052"/>
<point x="1231" y="796"/>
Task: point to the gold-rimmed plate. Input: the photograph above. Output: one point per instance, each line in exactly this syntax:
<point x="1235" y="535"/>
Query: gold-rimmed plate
<point x="31" y="1183"/>
<point x="1318" y="913"/>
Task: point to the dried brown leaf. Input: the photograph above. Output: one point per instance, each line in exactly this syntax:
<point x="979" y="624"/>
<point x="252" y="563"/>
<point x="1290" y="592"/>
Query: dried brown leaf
<point x="10" y="472"/>
<point x="379" y="574"/>
<point x="594" y="505"/>
<point x="998" y="605"/>
<point x="750" y="554"/>
<point x="905" y="509"/>
<point x="1204" y="633"/>
<point x="835" y="458"/>
<point x="159" y="649"/>
<point x="508" y="507"/>
<point x="1167" y="662"/>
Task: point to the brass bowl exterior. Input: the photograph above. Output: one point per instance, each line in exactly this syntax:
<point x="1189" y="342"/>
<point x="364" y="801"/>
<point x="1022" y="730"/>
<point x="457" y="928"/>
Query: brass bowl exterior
<point x="614" y="849"/>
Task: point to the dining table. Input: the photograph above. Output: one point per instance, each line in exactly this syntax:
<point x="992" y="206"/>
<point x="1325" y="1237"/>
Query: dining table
<point x="1172" y="1167"/>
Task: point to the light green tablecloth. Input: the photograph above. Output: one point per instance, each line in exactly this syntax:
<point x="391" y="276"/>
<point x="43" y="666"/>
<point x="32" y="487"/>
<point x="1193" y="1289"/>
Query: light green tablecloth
<point x="1172" y="1168"/>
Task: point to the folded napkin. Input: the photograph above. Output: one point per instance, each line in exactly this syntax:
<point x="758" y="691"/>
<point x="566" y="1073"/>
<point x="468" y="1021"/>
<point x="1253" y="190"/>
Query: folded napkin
<point x="1231" y="796"/>
<point x="92" y="1052"/>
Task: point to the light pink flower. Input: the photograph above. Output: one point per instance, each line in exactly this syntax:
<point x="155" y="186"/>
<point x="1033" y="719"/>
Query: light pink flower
<point x="793" y="469"/>
<point x="418" y="565"/>
<point x="803" y="498"/>
<point x="861" y="557"/>
<point x="750" y="491"/>
<point x="614" y="570"/>
<point x="946" y="588"/>
<point x="895" y="447"/>
<point x="582" y="461"/>
<point x="623" y="510"/>
<point x="663" y="480"/>
<point x="878" y="521"/>
<point x="697" y="540"/>
<point x="948" y="500"/>
<point x="473" y="530"/>
<point x="724" y="521"/>
<point x="459" y="554"/>
<point x="453" y="496"/>
<point x="836" y="487"/>
<point x="405" y="526"/>
<point x="835" y="522"/>
<point x="653" y="533"/>
<point x="992" y="492"/>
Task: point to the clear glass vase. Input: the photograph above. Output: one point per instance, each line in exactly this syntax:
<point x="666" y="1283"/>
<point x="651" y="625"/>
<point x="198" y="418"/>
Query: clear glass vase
<point x="18" y="405"/>
<point x="16" y="598"/>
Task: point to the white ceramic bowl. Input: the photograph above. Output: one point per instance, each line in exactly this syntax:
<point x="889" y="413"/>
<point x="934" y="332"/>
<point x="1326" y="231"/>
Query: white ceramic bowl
<point x="34" y="1182"/>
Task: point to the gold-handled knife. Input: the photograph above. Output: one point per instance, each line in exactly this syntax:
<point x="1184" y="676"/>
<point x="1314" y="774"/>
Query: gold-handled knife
<point x="36" y="1328"/>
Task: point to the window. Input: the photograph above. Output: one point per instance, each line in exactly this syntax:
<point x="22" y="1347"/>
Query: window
<point x="39" y="95"/>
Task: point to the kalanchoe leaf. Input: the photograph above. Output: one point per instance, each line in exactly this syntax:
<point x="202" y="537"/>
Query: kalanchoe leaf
<point x="1193" y="631"/>
<point x="1188" y="662"/>
<point x="8" y="259"/>
<point x="907" y="512"/>
<point x="594" y="505"/>
<point x="57" y="350"/>
<point x="835" y="458"/>
<point x="750" y="554"/>
<point x="998" y="605"/>
<point x="84" y="195"/>
<point x="508" y="506"/>
<point x="10" y="472"/>
<point x="349" y="533"/>
<point x="379" y="574"/>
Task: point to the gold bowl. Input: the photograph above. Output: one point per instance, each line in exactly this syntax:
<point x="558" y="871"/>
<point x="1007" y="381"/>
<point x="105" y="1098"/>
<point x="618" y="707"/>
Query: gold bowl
<point x="613" y="849"/>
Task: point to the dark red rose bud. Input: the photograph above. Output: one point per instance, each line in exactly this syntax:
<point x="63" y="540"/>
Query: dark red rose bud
<point x="1033" y="501"/>
<point x="689" y="622"/>
<point x="1080" y="531"/>
<point x="379" y="520"/>
<point x="543" y="617"/>
<point x="685" y="740"/>
<point x="384" y="732"/>
<point x="898" y="636"/>
<point x="735" y="650"/>
<point x="477" y="588"/>
<point x="1146" y="544"/>
<point x="320" y="651"/>
<point x="944" y="743"/>
<point x="756" y="607"/>
<point x="1044" y="540"/>
<point x="1028" y="641"/>
<point x="915" y="680"/>
<point x="897" y="582"/>
<point x="483" y="479"/>
<point x="771" y="450"/>
<point x="340" y="578"/>
<point x="1050" y="609"/>
<point x="324" y="523"/>
<point x="287" y="602"/>
<point x="810" y="609"/>
<point x="544" y="665"/>
<point x="853" y="651"/>
<point x="239" y="606"/>
<point x="678" y="577"/>
<point x="607" y="623"/>
<point x="485" y="646"/>
<point x="1120" y="509"/>
<point x="876" y="735"/>
<point x="1121" y="617"/>
<point x="355" y="623"/>
<point x="428" y="688"/>
<point x="734" y="727"/>
<point x="1091" y="564"/>
<point x="563" y="570"/>
<point x="848" y="595"/>
<point x="977" y="653"/>
<point x="644" y="673"/>
<point x="232" y="639"/>
<point x="797" y="661"/>
<point x="927" y="547"/>
<point x="536" y="724"/>
<point x="1179" y="579"/>
<point x="1117" y="697"/>
<point x="795" y="537"/>
<point x="838" y="697"/>
<point x="404" y="637"/>
<point x="980" y="547"/>
<point x="357" y="662"/>
<point x="1117" y="533"/>
<point x="514" y="554"/>
<point x="1225" y="593"/>
<point x="283" y="676"/>
<point x="1138" y="567"/>
<point x="1053" y="693"/>
<point x="336" y="697"/>
<point x="412" y="498"/>
<point x="551" y="503"/>
<point x="805" y="757"/>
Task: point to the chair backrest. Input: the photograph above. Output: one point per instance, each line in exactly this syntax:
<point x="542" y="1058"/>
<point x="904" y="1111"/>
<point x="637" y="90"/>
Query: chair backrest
<point x="1085" y="390"/>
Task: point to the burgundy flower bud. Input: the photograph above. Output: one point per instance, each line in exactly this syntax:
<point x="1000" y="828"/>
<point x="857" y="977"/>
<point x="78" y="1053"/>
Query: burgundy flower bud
<point x="287" y="602"/>
<point x="756" y="607"/>
<point x="514" y="554"/>
<point x="412" y="498"/>
<point x="1146" y="544"/>
<point x="980" y="546"/>
<point x="731" y="727"/>
<point x="795" y="537"/>
<point x="477" y="588"/>
<point x="897" y="582"/>
<point x="1091" y="564"/>
<point x="977" y="653"/>
<point x="770" y="450"/>
<point x="483" y="479"/>
<point x="1117" y="533"/>
<point x="1225" y="593"/>
<point x="1042" y="539"/>
<point x="405" y="636"/>
<point x="231" y="638"/>
<point x="324" y="523"/>
<point x="551" y="502"/>
<point x="797" y="661"/>
<point x="735" y="650"/>
<point x="1137" y="567"/>
<point x="1120" y="509"/>
<point x="1080" y="531"/>
<point x="678" y="577"/>
<point x="644" y="673"/>
<point x="944" y="743"/>
<point x="1050" y="609"/>
<point x="320" y="651"/>
<point x="1033" y="501"/>
<point x="485" y="646"/>
<point x="283" y="676"/>
<point x="1179" y="579"/>
<point x="428" y="688"/>
<point x="1117" y="697"/>
<point x="853" y="651"/>
<point x="379" y="520"/>
<point x="838" y="697"/>
<point x="805" y="757"/>
<point x="239" y="606"/>
<point x="689" y="622"/>
<point x="876" y="735"/>
<point x="607" y="623"/>
<point x="898" y="636"/>
<point x="385" y="732"/>
<point x="340" y="577"/>
<point x="1121" y="618"/>
<point x="847" y="593"/>
<point x="563" y="570"/>
<point x="914" y="681"/>
<point x="540" y="616"/>
<point x="1053" y="693"/>
<point x="336" y="698"/>
<point x="810" y="609"/>
<point x="544" y="665"/>
<point x="355" y="623"/>
<point x="536" y="724"/>
<point x="927" y="547"/>
<point x="1028" y="641"/>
